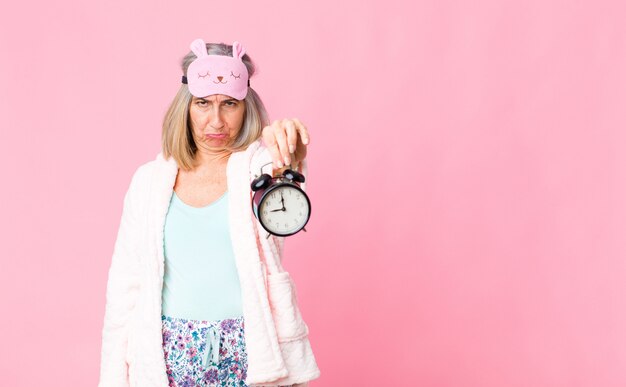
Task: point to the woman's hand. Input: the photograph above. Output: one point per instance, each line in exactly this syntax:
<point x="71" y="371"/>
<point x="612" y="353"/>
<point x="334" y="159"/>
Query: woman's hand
<point x="287" y="141"/>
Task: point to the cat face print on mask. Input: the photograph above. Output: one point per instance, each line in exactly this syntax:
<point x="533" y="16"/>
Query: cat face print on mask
<point x="217" y="74"/>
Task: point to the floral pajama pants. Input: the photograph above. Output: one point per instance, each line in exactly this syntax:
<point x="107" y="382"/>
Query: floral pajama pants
<point x="204" y="353"/>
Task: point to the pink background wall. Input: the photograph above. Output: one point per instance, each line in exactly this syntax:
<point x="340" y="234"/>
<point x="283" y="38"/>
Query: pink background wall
<point x="467" y="173"/>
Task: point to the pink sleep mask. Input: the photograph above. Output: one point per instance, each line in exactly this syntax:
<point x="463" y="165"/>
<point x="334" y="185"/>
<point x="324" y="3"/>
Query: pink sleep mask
<point x="217" y="74"/>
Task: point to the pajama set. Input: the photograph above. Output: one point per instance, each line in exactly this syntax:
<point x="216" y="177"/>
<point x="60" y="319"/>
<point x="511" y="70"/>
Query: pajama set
<point x="202" y="316"/>
<point x="179" y="321"/>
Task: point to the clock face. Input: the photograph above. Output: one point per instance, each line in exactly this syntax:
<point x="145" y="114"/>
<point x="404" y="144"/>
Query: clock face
<point x="284" y="210"/>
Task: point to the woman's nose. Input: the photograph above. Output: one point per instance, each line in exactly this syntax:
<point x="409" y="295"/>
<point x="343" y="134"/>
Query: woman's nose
<point x="217" y="121"/>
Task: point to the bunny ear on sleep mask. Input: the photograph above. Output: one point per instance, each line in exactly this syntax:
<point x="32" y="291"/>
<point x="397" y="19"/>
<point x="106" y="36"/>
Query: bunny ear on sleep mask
<point x="217" y="74"/>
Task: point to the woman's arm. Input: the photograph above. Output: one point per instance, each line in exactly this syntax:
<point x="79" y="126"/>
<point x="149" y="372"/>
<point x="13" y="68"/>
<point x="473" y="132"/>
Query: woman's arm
<point x="275" y="139"/>
<point x="121" y="294"/>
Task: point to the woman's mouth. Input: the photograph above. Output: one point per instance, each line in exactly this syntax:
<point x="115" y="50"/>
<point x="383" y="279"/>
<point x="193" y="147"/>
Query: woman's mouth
<point x="215" y="136"/>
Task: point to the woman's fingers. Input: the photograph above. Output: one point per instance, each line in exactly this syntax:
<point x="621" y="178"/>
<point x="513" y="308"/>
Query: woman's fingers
<point x="292" y="135"/>
<point x="281" y="139"/>
<point x="302" y="130"/>
<point x="270" y="142"/>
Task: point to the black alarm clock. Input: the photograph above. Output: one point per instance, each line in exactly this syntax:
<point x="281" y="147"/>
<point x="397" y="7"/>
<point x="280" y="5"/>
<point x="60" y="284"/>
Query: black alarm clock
<point x="280" y="205"/>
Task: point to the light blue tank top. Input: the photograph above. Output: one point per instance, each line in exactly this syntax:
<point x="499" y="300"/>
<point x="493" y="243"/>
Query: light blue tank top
<point x="200" y="281"/>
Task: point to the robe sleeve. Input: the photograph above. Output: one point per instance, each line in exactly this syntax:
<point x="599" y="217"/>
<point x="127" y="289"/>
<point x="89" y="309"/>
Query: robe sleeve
<point x="121" y="293"/>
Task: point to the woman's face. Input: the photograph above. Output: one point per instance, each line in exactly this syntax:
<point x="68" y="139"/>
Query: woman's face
<point x="216" y="120"/>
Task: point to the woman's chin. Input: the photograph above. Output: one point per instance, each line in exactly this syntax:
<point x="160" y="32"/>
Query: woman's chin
<point x="216" y="145"/>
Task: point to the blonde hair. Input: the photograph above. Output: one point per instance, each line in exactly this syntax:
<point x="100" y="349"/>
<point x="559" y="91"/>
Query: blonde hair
<point x="176" y="137"/>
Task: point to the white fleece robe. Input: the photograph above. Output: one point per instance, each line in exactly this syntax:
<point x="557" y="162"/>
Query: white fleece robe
<point x="278" y="349"/>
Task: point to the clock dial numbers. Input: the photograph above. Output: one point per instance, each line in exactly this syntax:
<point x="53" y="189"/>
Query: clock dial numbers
<point x="284" y="210"/>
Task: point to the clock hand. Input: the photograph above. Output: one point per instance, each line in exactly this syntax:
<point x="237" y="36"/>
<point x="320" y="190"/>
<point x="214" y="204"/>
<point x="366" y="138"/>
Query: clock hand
<point x="282" y="200"/>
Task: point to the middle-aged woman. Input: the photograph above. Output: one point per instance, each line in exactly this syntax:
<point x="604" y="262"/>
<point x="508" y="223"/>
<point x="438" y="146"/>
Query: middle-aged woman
<point x="197" y="294"/>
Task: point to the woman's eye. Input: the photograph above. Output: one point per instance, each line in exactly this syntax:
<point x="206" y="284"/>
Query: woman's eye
<point x="201" y="103"/>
